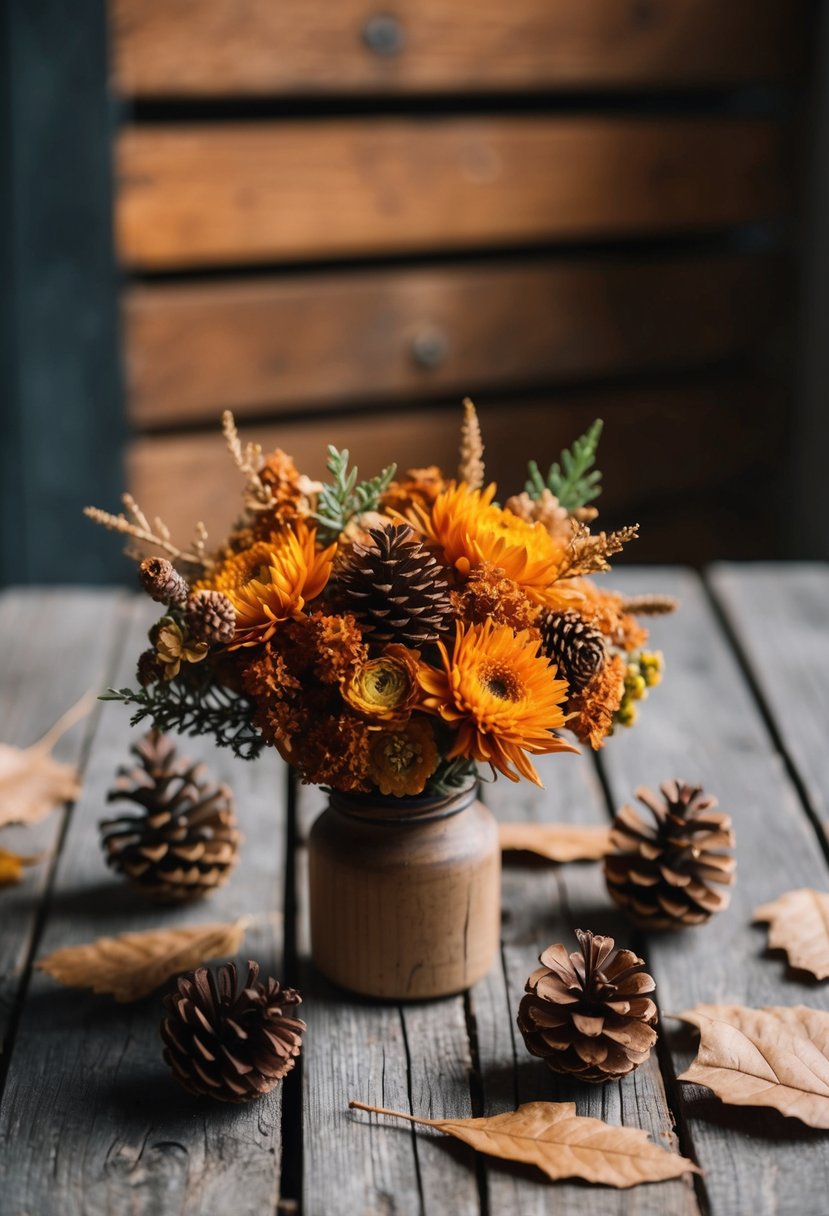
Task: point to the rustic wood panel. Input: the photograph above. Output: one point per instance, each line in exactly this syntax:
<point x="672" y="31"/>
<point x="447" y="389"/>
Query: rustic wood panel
<point x="543" y="905"/>
<point x="702" y="724"/>
<point x="783" y="627"/>
<point x="192" y="350"/>
<point x="92" y="1122"/>
<point x="658" y="444"/>
<point x="215" y="47"/>
<point x="231" y="193"/>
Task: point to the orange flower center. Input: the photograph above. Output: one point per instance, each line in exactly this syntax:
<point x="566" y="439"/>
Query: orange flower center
<point x="501" y="682"/>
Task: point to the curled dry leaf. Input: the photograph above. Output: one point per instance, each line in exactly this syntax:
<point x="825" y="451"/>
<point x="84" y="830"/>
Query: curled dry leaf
<point x="563" y="1144"/>
<point x="559" y="842"/>
<point x="32" y="783"/>
<point x="799" y="924"/>
<point x="11" y="866"/>
<point x="776" y="1057"/>
<point x="135" y="964"/>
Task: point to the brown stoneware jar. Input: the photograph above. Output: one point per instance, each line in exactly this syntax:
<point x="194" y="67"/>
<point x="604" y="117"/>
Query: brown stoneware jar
<point x="405" y="893"/>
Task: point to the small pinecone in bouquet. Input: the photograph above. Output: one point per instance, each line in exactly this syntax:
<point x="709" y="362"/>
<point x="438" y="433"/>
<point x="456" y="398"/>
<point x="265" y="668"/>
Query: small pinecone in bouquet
<point x="577" y="648"/>
<point x="181" y="841"/>
<point x="396" y="589"/>
<point x="162" y="582"/>
<point x="229" y="1044"/>
<point x="665" y="874"/>
<point x="589" y="1014"/>
<point x="210" y="617"/>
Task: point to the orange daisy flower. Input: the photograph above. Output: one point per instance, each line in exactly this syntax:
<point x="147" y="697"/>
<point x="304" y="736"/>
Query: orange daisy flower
<point x="470" y="530"/>
<point x="272" y="581"/>
<point x="500" y="696"/>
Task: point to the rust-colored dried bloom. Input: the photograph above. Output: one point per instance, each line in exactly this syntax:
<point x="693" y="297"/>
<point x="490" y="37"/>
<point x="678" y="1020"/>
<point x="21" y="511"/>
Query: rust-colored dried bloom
<point x="488" y="595"/>
<point x="419" y="487"/>
<point x="593" y="706"/>
<point x="469" y="530"/>
<point x="386" y="688"/>
<point x="334" y="750"/>
<point x="605" y="611"/>
<point x="403" y="758"/>
<point x="272" y="582"/>
<point x="499" y="696"/>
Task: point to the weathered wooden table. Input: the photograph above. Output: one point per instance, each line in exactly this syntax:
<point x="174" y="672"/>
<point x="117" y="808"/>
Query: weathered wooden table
<point x="92" y="1121"/>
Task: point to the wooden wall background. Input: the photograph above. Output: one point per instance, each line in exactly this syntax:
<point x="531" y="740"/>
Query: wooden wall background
<point x="338" y="219"/>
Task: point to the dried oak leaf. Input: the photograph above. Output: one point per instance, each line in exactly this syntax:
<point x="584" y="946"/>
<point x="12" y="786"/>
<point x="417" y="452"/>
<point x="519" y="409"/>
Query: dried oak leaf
<point x="135" y="964"/>
<point x="799" y="924"/>
<point x="778" y="1057"/>
<point x="11" y="866"/>
<point x="563" y="1144"/>
<point x="32" y="783"/>
<point x="557" y="841"/>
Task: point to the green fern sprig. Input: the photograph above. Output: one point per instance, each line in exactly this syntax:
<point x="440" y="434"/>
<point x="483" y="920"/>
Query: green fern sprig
<point x="195" y="710"/>
<point x="574" y="481"/>
<point x="344" y="496"/>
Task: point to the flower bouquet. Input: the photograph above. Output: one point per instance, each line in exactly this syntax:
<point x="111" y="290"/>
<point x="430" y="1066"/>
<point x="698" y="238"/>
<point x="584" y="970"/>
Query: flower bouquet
<point x="392" y="637"/>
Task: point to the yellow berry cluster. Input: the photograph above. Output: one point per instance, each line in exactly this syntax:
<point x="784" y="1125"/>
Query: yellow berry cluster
<point x="644" y="671"/>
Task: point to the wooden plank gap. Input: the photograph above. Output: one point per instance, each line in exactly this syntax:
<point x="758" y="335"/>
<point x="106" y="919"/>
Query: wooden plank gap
<point x="727" y="625"/>
<point x="412" y="1126"/>
<point x="476" y="1093"/>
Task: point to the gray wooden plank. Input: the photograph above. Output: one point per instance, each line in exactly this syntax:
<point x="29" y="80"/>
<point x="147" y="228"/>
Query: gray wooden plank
<point x="92" y="1120"/>
<point x="702" y="724"/>
<point x="543" y="904"/>
<point x="780" y="614"/>
<point x="411" y="1057"/>
<point x="55" y="647"/>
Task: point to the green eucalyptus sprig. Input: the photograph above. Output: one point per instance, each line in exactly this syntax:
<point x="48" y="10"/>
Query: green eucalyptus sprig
<point x="573" y="481"/>
<point x="344" y="497"/>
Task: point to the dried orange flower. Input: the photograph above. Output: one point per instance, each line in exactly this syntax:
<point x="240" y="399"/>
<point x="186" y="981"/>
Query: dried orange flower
<point x="385" y="688"/>
<point x="172" y="649"/>
<point x="403" y="758"/>
<point x="420" y="486"/>
<point x="488" y="595"/>
<point x="272" y="581"/>
<point x="470" y="530"/>
<point x="604" y="610"/>
<point x="501" y="697"/>
<point x="593" y="708"/>
<point x="334" y="750"/>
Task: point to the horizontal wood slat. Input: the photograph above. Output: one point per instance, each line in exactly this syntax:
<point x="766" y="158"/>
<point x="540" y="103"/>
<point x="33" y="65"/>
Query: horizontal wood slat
<point x="214" y="47"/>
<point x="210" y="194"/>
<point x="659" y="443"/>
<point x="288" y="342"/>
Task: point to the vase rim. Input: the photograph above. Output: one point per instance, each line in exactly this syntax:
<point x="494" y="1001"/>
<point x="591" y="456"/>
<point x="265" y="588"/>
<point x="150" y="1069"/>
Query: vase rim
<point x="387" y="808"/>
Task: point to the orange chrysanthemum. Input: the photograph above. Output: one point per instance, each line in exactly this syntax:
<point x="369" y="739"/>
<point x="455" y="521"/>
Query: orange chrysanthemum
<point x="403" y="758"/>
<point x="385" y="688"/>
<point x="470" y="530"/>
<point x="500" y="696"/>
<point x="593" y="708"/>
<point x="488" y="595"/>
<point x="272" y="581"/>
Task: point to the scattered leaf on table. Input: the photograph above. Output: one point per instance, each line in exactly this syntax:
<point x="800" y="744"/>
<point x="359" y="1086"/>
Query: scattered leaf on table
<point x="11" y="866"/>
<point x="776" y="1057"/>
<point x="32" y="783"/>
<point x="557" y="841"/>
<point x="799" y="924"/>
<point x="561" y="1143"/>
<point x="135" y="964"/>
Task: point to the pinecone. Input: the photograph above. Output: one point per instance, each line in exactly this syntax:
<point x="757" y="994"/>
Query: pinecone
<point x="183" y="841"/>
<point x="396" y="589"/>
<point x="228" y="1044"/>
<point x="578" y="649"/>
<point x="587" y="1013"/>
<point x="162" y="581"/>
<point x="148" y="669"/>
<point x="210" y="617"/>
<point x="661" y="873"/>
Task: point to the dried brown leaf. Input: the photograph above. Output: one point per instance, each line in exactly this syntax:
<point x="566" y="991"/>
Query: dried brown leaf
<point x="135" y="964"/>
<point x="563" y="1144"/>
<point x="799" y="924"/>
<point x="778" y="1057"/>
<point x="557" y="841"/>
<point x="32" y="783"/>
<point x="12" y="864"/>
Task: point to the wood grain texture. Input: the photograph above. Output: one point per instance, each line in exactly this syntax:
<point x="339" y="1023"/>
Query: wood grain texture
<point x="308" y="46"/>
<point x="188" y="477"/>
<point x="543" y="905"/>
<point x="284" y="343"/>
<point x="781" y="623"/>
<point x="702" y="725"/>
<point x="214" y="194"/>
<point x="413" y="1057"/>
<point x="92" y="1120"/>
<point x="31" y="701"/>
